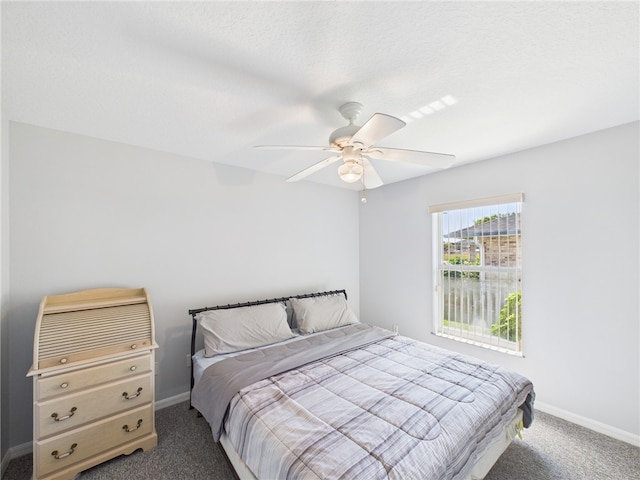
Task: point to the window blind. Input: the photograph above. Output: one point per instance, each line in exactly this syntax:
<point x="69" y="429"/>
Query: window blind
<point x="478" y="271"/>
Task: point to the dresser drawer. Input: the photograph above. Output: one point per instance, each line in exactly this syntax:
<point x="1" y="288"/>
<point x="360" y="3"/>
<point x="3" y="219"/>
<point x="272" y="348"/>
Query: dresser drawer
<point x="70" y="411"/>
<point x="64" y="450"/>
<point x="71" y="382"/>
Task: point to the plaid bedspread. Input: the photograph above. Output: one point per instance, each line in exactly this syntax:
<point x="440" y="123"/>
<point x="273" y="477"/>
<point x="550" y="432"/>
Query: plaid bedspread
<point x="397" y="408"/>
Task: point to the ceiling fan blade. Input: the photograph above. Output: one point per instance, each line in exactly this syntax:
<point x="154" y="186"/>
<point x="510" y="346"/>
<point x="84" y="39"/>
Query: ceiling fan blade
<point x="377" y="127"/>
<point x="313" y="168"/>
<point x="371" y="177"/>
<point x="293" y="147"/>
<point x="428" y="159"/>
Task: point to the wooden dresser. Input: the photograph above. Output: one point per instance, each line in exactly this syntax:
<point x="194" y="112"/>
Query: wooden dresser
<point x="93" y="380"/>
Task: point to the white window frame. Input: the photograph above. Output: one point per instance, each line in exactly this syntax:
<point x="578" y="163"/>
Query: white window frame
<point x="462" y="329"/>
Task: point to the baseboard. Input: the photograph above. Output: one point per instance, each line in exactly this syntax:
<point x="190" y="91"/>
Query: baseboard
<point x="167" y="402"/>
<point x="15" y="452"/>
<point x="27" y="448"/>
<point x="594" y="425"/>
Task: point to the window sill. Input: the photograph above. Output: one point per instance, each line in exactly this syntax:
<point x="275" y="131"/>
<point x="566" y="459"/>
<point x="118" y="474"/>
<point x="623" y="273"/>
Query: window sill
<point x="481" y="344"/>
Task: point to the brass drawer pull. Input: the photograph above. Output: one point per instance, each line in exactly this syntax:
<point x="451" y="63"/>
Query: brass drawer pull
<point x="133" y="429"/>
<point x="129" y="397"/>
<point x="64" y="385"/>
<point x="68" y="415"/>
<point x="58" y="456"/>
<point x="133" y="368"/>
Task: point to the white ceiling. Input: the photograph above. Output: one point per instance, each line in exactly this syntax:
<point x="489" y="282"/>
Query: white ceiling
<point x="210" y="80"/>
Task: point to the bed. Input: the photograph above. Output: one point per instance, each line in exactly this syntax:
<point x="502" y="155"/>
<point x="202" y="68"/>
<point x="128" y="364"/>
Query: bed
<point x="297" y="387"/>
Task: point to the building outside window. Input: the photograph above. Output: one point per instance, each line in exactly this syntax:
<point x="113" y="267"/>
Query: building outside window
<point x="477" y="258"/>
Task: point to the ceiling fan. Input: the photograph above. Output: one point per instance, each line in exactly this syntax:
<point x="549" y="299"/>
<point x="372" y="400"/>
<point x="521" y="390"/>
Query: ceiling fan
<point x="354" y="145"/>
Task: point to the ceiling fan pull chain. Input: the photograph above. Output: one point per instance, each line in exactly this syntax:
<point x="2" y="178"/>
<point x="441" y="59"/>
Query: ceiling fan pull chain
<point x="363" y="196"/>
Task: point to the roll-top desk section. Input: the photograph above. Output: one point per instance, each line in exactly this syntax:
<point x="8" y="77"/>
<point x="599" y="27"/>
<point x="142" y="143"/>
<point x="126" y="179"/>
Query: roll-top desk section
<point x="93" y="380"/>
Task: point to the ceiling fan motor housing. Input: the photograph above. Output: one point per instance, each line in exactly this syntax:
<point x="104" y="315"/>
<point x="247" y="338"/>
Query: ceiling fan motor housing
<point x="341" y="136"/>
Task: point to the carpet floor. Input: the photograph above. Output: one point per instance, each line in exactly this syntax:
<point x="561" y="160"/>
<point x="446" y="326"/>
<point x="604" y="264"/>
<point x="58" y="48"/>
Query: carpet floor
<point x="551" y="449"/>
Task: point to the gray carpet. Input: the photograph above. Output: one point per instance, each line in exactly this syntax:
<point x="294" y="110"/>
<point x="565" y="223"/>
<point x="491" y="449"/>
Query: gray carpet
<point x="551" y="449"/>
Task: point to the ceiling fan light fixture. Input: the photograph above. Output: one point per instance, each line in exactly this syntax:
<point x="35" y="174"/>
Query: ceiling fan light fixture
<point x="350" y="171"/>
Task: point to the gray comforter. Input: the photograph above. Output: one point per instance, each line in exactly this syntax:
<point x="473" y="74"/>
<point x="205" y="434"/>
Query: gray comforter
<point x="221" y="381"/>
<point x="359" y="403"/>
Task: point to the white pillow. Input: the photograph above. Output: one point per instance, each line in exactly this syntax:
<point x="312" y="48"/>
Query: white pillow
<point x="234" y="329"/>
<point x="315" y="314"/>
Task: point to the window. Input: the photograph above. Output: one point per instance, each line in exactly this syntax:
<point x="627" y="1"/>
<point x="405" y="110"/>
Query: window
<point x="477" y="250"/>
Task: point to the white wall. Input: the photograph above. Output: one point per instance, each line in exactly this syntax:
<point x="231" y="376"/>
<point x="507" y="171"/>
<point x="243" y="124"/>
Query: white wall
<point x="580" y="268"/>
<point x="88" y="213"/>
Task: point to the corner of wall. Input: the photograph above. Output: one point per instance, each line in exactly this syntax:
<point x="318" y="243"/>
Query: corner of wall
<point x="4" y="284"/>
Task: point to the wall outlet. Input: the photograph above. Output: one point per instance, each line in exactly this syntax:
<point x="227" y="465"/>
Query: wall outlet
<point x="395" y="328"/>
<point x="188" y="357"/>
<point x="156" y="369"/>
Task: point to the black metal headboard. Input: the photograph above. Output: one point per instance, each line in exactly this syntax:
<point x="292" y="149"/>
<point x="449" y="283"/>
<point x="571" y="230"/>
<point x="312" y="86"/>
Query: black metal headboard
<point x="195" y="311"/>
